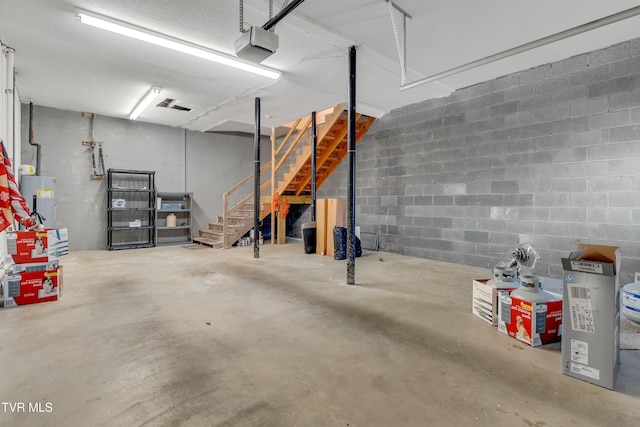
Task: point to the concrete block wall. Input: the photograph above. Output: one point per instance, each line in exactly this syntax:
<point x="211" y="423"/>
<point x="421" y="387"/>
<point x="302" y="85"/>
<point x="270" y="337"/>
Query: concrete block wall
<point x="549" y="156"/>
<point x="202" y="163"/>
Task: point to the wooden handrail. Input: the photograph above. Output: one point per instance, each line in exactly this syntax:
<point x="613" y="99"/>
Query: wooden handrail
<point x="225" y="204"/>
<point x="247" y="179"/>
<point x="293" y="144"/>
<point x="328" y="125"/>
<point x="286" y="138"/>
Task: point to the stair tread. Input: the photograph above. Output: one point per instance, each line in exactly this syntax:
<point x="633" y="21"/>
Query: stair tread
<point x="210" y="231"/>
<point x="210" y="242"/>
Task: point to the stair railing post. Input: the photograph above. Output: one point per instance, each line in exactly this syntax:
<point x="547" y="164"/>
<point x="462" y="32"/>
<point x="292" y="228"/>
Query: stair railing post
<point x="225" y="219"/>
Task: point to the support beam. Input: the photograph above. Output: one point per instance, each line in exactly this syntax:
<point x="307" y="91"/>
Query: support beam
<point x="273" y="184"/>
<point x="314" y="154"/>
<point x="256" y="183"/>
<point x="351" y="193"/>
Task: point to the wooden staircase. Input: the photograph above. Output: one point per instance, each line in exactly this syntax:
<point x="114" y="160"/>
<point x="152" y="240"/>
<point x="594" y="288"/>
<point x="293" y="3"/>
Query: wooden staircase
<point x="291" y="176"/>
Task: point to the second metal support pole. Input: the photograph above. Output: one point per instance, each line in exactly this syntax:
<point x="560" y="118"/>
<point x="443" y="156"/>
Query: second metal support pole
<point x="351" y="193"/>
<point x="314" y="147"/>
<point x="256" y="184"/>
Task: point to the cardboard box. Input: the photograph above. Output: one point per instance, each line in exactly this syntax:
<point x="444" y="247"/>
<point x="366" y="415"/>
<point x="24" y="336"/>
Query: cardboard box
<point x="532" y="323"/>
<point x="329" y="213"/>
<point x="37" y="266"/>
<point x="336" y="217"/>
<point x="32" y="286"/>
<point x="590" y="347"/>
<point x="38" y="246"/>
<point x="485" y="298"/>
<point x="321" y="226"/>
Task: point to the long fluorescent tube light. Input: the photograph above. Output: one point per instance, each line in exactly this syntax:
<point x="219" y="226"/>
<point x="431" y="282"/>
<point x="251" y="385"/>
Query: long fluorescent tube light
<point x="147" y="99"/>
<point x="168" y="42"/>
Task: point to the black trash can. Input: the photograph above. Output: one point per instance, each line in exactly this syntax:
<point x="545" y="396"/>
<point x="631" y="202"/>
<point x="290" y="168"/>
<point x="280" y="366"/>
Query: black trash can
<point x="309" y="230"/>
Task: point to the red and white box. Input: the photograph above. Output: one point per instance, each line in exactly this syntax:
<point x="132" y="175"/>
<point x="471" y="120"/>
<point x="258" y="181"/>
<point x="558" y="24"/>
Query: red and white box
<point x="38" y="246"/>
<point x="532" y="323"/>
<point x="32" y="283"/>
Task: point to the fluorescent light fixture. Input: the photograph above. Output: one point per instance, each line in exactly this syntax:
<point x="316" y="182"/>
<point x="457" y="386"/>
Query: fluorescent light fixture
<point x="147" y="99"/>
<point x="168" y="42"/>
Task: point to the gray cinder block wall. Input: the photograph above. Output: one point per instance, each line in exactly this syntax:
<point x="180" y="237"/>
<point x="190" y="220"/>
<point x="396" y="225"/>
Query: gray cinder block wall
<point x="205" y="164"/>
<point x="548" y="156"/>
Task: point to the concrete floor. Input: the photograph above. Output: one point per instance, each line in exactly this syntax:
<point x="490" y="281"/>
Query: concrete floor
<point x="176" y="337"/>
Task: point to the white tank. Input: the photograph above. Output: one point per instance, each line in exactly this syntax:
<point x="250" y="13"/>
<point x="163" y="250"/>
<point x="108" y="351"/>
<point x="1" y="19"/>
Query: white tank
<point x="631" y="301"/>
<point x="530" y="291"/>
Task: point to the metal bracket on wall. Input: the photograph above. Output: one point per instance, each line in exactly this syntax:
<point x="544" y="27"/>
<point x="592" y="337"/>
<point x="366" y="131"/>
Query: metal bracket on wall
<point x="89" y="142"/>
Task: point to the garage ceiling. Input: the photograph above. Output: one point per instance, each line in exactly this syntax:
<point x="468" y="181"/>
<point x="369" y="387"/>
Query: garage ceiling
<point x="64" y="64"/>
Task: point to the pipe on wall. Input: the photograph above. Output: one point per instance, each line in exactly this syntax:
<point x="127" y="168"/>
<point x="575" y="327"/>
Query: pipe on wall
<point x="31" y="138"/>
<point x="11" y="102"/>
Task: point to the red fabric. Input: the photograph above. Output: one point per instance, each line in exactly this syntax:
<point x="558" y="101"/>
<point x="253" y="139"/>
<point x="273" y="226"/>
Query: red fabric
<point x="12" y="205"/>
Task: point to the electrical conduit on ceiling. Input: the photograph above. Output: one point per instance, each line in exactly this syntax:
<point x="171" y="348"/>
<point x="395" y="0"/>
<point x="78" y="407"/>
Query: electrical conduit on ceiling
<point x="598" y="23"/>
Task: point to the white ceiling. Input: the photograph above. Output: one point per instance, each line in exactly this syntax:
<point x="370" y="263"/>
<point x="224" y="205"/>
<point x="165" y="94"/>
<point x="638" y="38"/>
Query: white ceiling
<point x="64" y="64"/>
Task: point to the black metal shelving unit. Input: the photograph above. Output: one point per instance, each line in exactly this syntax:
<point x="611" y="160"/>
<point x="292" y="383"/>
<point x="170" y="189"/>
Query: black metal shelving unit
<point x="178" y="204"/>
<point x="131" y="209"/>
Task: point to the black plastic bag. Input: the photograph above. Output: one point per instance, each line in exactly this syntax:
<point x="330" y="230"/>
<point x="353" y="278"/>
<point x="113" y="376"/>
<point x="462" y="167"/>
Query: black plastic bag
<point x="340" y="243"/>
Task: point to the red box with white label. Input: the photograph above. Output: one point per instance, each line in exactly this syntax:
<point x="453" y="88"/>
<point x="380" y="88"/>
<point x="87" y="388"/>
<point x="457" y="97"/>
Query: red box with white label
<point x="532" y="323"/>
<point x="38" y="246"/>
<point x="31" y="287"/>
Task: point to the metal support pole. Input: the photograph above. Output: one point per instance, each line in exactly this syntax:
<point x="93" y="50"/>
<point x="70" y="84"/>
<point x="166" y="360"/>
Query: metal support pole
<point x="351" y="193"/>
<point x="256" y="184"/>
<point x="314" y="146"/>
<point x="273" y="184"/>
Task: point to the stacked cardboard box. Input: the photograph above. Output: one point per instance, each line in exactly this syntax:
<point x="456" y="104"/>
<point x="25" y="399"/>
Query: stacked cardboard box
<point x="532" y="323"/>
<point x="35" y="274"/>
<point x="590" y="347"/>
<point x="485" y="298"/>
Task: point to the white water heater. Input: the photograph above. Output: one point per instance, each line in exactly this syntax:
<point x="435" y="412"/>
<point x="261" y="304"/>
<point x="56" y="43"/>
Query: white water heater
<point x="40" y="194"/>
